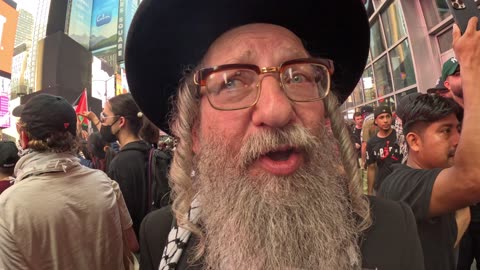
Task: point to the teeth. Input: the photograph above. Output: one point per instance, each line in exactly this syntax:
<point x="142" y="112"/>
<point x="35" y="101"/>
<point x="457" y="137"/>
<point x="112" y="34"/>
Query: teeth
<point x="280" y="155"/>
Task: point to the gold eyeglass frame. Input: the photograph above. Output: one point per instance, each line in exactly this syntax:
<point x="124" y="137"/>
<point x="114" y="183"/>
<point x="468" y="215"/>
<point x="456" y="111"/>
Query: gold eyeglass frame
<point x="200" y="77"/>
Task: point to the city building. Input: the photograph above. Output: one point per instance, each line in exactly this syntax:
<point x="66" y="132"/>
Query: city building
<point x="410" y="40"/>
<point x="39" y="32"/>
<point x="24" y="27"/>
<point x="19" y="84"/>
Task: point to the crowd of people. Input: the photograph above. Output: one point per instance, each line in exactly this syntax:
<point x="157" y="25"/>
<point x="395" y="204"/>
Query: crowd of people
<point x="261" y="171"/>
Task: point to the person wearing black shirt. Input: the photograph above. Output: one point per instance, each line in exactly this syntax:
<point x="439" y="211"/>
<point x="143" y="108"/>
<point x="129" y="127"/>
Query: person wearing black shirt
<point x="356" y="132"/>
<point x="436" y="188"/>
<point x="382" y="149"/>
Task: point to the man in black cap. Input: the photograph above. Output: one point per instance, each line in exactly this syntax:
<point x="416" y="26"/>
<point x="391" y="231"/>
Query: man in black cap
<point x="8" y="159"/>
<point x="257" y="179"/>
<point x="60" y="214"/>
<point x="382" y="149"/>
<point x="440" y="89"/>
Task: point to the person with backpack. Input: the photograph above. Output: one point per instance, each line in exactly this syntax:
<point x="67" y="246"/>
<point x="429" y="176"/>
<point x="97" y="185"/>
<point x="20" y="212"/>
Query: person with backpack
<point x="121" y="120"/>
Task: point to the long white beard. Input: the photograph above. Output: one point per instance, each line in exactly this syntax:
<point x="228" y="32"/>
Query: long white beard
<point x="301" y="221"/>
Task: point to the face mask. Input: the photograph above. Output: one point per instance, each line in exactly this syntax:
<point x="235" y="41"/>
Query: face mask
<point x="106" y="133"/>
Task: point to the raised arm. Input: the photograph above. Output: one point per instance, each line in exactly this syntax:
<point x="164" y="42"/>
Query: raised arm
<point x="459" y="185"/>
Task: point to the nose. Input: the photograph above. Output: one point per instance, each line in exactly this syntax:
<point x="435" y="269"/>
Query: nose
<point x="274" y="108"/>
<point x="455" y="137"/>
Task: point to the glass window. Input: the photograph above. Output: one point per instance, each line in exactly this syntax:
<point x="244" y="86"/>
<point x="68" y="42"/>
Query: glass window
<point x="378" y="3"/>
<point x="402" y="66"/>
<point x="368" y="84"/>
<point x="372" y="104"/>
<point x="376" y="40"/>
<point x="349" y="102"/>
<point x="357" y="94"/>
<point x="389" y="101"/>
<point x="445" y="40"/>
<point x="369" y="7"/>
<point x="393" y="24"/>
<point x="404" y="93"/>
<point x="382" y="76"/>
<point x="434" y="11"/>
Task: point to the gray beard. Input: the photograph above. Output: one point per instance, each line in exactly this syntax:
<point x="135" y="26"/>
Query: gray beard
<point x="300" y="221"/>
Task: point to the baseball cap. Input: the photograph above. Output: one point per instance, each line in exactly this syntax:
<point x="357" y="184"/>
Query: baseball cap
<point x="44" y="114"/>
<point x="8" y="154"/>
<point x="438" y="87"/>
<point x="366" y="109"/>
<point x="449" y="68"/>
<point x="381" y="109"/>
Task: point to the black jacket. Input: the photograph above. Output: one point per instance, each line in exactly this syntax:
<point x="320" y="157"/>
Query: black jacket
<point x="391" y="243"/>
<point x="128" y="168"/>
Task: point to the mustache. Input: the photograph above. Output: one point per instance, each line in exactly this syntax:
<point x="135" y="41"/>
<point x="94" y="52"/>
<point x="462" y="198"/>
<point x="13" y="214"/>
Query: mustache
<point x="451" y="152"/>
<point x="295" y="137"/>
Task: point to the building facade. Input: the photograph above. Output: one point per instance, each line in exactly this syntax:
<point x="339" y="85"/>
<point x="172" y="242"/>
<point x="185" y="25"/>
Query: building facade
<point x="409" y="41"/>
<point x="39" y="32"/>
<point x="24" y="27"/>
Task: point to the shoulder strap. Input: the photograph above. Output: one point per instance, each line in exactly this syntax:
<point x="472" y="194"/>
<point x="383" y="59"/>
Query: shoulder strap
<point x="149" y="176"/>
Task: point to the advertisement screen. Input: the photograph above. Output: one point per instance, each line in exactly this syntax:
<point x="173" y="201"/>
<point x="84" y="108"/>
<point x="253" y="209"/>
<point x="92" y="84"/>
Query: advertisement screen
<point x="104" y="24"/>
<point x="80" y="19"/>
<point x="8" y="27"/>
<point x="4" y="114"/>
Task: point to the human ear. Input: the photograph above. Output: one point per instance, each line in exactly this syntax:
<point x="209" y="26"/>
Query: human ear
<point x="414" y="141"/>
<point x="446" y="83"/>
<point x="24" y="139"/>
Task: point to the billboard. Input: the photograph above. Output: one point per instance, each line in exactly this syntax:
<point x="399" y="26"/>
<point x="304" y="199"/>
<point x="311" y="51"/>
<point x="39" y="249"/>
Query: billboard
<point x="103" y="30"/>
<point x="4" y="114"/>
<point x="103" y="84"/>
<point x="8" y="27"/>
<point x="79" y="23"/>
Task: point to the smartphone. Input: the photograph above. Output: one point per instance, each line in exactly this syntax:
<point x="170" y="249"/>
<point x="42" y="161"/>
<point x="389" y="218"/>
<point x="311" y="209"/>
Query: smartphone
<point x="463" y="10"/>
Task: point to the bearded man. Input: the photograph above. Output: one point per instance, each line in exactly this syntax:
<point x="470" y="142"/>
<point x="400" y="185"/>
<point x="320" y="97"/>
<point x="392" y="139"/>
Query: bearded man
<point x="258" y="179"/>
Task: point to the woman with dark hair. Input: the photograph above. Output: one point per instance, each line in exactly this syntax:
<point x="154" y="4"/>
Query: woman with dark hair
<point x="121" y="120"/>
<point x="101" y="153"/>
<point x="150" y="133"/>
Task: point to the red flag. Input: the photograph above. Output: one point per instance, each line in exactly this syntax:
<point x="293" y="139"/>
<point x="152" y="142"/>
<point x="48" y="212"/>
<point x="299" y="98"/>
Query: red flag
<point x="81" y="105"/>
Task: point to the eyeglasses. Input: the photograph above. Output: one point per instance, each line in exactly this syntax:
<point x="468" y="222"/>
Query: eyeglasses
<point x="237" y="86"/>
<point x="104" y="117"/>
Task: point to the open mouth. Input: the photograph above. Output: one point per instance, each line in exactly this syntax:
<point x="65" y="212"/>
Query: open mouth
<point x="281" y="161"/>
<point x="281" y="155"/>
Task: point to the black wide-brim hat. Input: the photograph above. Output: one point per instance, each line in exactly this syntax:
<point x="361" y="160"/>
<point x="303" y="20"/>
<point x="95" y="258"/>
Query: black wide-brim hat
<point x="167" y="36"/>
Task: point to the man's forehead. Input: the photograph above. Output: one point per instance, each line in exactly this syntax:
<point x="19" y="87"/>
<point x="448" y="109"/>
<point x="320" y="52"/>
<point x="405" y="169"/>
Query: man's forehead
<point x="241" y="43"/>
<point x="450" y="120"/>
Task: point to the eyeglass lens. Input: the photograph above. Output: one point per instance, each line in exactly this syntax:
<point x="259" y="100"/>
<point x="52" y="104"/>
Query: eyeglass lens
<point x="238" y="88"/>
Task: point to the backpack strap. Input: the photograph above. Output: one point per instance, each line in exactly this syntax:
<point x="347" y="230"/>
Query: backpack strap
<point x="149" y="178"/>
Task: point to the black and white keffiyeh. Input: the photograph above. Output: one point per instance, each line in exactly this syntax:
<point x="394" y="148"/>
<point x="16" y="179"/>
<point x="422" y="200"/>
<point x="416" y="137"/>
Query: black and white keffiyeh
<point x="177" y="240"/>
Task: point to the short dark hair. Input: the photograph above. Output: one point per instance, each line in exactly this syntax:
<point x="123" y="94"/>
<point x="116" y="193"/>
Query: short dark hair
<point x="428" y="108"/>
<point x="356" y="114"/>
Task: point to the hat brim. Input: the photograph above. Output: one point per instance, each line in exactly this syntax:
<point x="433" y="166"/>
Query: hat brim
<point x="168" y="36"/>
<point x="17" y="111"/>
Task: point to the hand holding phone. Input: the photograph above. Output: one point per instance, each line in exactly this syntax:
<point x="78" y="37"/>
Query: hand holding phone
<point x="463" y="10"/>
